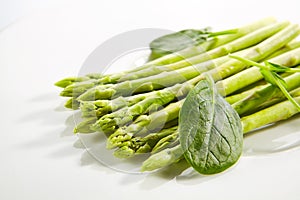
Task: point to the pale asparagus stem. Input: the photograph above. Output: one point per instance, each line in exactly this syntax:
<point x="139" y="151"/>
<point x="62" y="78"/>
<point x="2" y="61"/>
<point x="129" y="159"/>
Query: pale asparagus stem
<point x="76" y="81"/>
<point x="290" y="46"/>
<point x="259" y="99"/>
<point x="236" y="45"/>
<point x="250" y="39"/>
<point x="163" y="79"/>
<point x="105" y="106"/>
<point x="166" y="79"/>
<point x="235" y="98"/>
<point x="216" y="42"/>
<point x="275" y="113"/>
<point x="183" y="54"/>
<point x="253" y="74"/>
<point x="265" y="96"/>
<point x="110" y="123"/>
<point x="268" y="95"/>
<point x="258" y="52"/>
<point x="246" y="41"/>
<point x="131" y="147"/>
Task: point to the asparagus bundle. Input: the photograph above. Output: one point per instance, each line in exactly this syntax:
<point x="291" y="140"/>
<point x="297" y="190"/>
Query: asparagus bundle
<point x="139" y="109"/>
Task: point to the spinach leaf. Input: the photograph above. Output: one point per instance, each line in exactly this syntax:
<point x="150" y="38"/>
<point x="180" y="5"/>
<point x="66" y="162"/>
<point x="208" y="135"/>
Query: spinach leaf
<point x="177" y="41"/>
<point x="210" y="130"/>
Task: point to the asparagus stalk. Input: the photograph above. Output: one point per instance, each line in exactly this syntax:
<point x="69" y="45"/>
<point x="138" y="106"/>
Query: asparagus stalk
<point x="253" y="74"/>
<point x="111" y="122"/>
<point x="233" y="46"/>
<point x="288" y="47"/>
<point x="288" y="58"/>
<point x="165" y="79"/>
<point x="101" y="107"/>
<point x="215" y="42"/>
<point x="237" y="97"/>
<point x="183" y="54"/>
<point x="142" y="76"/>
<point x="265" y="96"/>
<point x="147" y="144"/>
<point x="275" y="113"/>
<point x="260" y="98"/>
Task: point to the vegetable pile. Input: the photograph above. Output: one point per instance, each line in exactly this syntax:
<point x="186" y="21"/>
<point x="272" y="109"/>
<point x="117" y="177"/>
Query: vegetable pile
<point x="196" y="97"/>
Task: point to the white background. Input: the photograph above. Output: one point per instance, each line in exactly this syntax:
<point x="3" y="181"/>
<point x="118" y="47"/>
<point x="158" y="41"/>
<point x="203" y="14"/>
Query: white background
<point x="41" y="158"/>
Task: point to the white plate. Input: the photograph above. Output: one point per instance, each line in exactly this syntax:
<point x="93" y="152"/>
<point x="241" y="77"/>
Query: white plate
<point x="42" y="159"/>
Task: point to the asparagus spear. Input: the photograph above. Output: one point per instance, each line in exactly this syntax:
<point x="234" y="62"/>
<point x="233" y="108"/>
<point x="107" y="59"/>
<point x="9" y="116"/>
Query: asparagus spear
<point x="265" y="96"/>
<point x="137" y="76"/>
<point x="183" y="54"/>
<point x="144" y="124"/>
<point x="253" y="74"/>
<point x="288" y="58"/>
<point x="146" y="144"/>
<point x="101" y="107"/>
<point x="109" y="123"/>
<point x="261" y="98"/>
<point x="233" y="46"/>
<point x="165" y="79"/>
<point x="140" y="145"/>
<point x="275" y="113"/>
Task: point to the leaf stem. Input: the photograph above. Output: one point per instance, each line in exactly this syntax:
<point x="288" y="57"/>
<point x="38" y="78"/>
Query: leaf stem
<point x="286" y="93"/>
<point x="276" y="79"/>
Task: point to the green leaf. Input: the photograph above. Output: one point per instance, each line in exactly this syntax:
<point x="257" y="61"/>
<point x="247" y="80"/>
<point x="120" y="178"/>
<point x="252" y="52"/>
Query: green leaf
<point x="272" y="77"/>
<point x="210" y="130"/>
<point x="177" y="41"/>
<point x="276" y="68"/>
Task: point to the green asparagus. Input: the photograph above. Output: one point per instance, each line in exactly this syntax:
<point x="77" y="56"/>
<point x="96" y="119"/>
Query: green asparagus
<point x="275" y="113"/>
